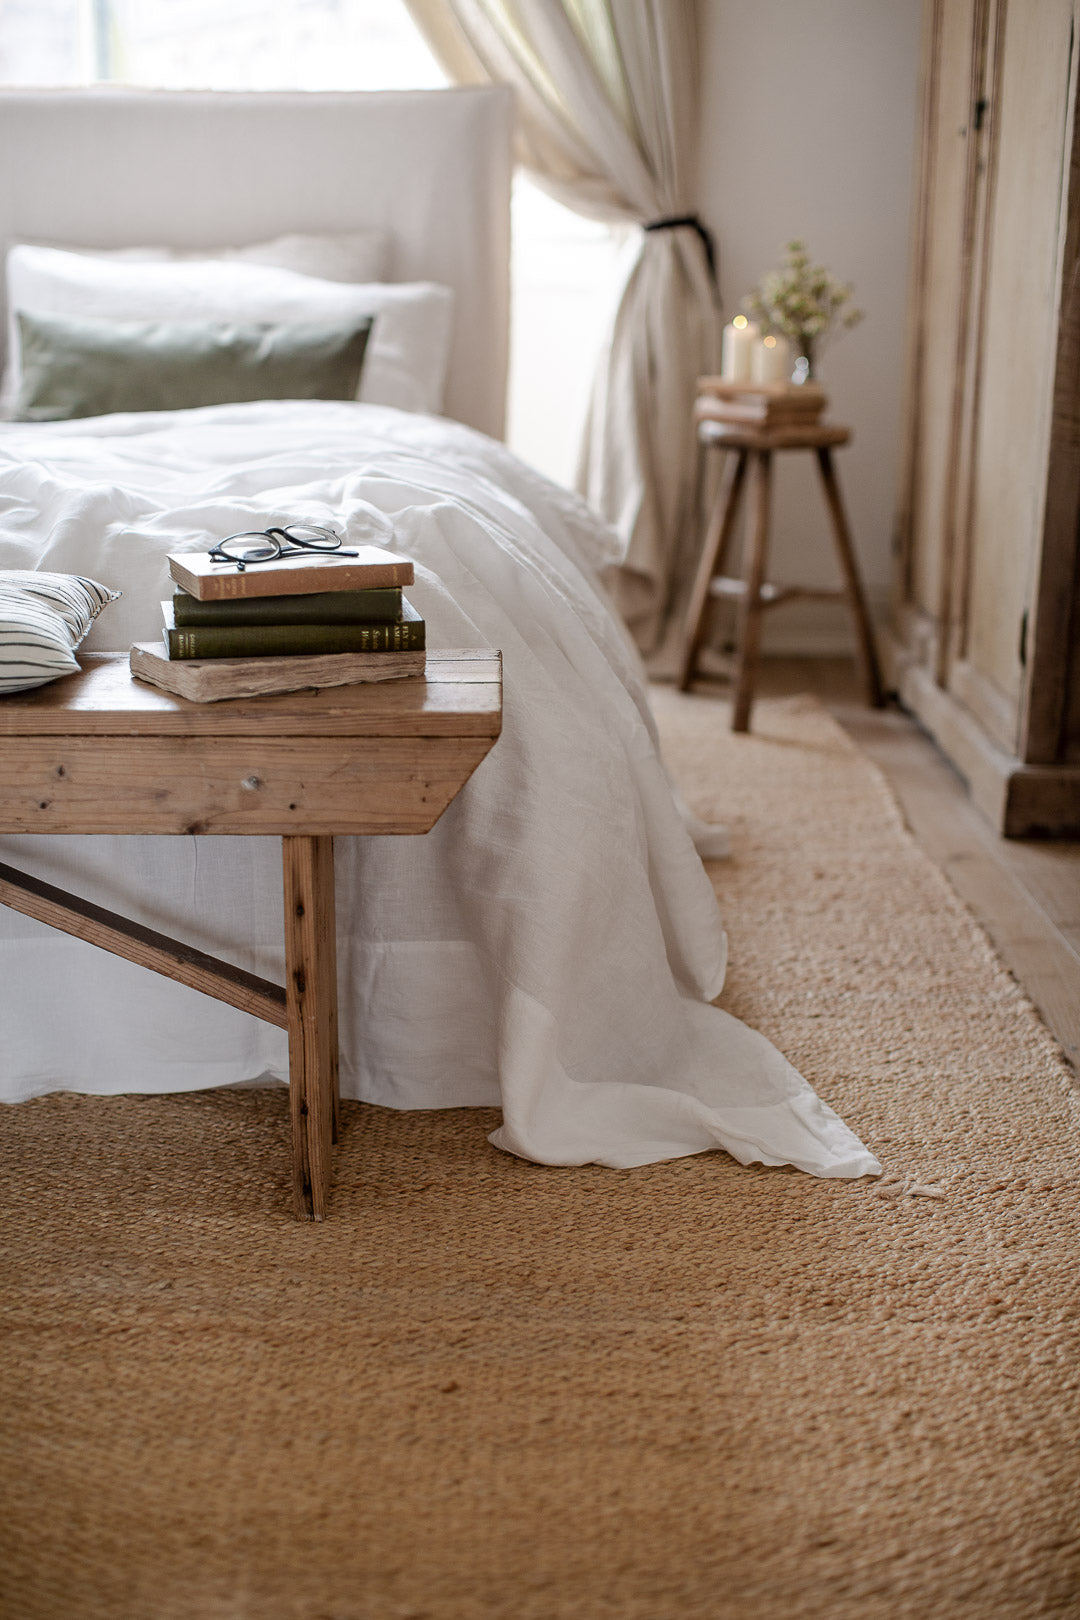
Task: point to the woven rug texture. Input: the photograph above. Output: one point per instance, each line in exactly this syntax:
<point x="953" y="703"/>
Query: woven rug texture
<point x="485" y="1388"/>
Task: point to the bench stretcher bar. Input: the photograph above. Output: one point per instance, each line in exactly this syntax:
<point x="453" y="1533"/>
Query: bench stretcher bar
<point x="132" y="940"/>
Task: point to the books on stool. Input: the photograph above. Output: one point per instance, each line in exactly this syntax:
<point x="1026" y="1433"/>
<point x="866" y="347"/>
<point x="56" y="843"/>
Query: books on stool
<point x="763" y="405"/>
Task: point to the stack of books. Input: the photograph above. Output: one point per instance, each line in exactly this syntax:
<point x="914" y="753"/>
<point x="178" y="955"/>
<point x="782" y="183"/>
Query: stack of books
<point x="310" y="619"/>
<point x="765" y="405"/>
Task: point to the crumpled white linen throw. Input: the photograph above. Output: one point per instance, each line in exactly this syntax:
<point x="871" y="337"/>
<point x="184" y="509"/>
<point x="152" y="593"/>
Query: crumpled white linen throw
<point x="552" y="946"/>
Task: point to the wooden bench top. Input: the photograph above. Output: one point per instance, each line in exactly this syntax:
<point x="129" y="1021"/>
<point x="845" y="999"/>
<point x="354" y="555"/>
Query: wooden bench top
<point x="459" y="696"/>
<point x="99" y="752"/>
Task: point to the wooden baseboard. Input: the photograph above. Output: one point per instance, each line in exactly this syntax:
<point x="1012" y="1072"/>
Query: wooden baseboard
<point x="1020" y="801"/>
<point x="810" y="629"/>
<point x="992" y="709"/>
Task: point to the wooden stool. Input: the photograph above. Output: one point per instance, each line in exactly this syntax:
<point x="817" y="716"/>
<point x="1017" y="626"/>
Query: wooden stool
<point x="755" y="446"/>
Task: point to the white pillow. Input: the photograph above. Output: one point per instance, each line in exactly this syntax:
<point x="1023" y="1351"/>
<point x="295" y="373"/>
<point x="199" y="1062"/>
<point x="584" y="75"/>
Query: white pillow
<point x="406" y="360"/>
<point x="338" y="256"/>
<point x="43" y="617"/>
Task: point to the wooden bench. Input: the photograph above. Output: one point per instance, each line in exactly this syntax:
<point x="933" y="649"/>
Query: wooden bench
<point x="99" y="752"/>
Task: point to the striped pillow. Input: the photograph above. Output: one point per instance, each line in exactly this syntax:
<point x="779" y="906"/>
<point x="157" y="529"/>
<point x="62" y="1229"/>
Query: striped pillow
<point x="43" y="617"/>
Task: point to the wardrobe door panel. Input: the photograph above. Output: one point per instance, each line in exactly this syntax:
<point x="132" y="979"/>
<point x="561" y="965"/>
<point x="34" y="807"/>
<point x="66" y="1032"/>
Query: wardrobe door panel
<point x="939" y="294"/>
<point x="1018" y="341"/>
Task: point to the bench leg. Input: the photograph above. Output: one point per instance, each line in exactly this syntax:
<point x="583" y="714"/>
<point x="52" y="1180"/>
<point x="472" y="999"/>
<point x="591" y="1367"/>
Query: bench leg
<point x="311" y="1007"/>
<point x="750" y="608"/>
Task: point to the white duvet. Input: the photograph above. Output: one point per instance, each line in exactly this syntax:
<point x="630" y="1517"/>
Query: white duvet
<point x="551" y="946"/>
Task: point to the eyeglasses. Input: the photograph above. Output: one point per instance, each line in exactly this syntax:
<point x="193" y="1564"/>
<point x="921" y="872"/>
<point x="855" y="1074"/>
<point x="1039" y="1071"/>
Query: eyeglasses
<point x="267" y="545"/>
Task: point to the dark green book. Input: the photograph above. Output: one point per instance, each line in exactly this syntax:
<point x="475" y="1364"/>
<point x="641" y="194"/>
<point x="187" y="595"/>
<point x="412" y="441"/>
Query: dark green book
<point x="321" y="607"/>
<point x="292" y="640"/>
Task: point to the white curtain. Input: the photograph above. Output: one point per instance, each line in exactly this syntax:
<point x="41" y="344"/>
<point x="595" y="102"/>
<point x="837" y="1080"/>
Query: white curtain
<point x="607" y="122"/>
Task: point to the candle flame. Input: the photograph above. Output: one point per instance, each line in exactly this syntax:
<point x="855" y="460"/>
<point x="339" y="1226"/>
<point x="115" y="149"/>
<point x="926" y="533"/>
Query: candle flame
<point x="740" y="321"/>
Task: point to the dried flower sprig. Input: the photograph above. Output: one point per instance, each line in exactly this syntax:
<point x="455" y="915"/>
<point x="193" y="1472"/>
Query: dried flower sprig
<point x="803" y="301"/>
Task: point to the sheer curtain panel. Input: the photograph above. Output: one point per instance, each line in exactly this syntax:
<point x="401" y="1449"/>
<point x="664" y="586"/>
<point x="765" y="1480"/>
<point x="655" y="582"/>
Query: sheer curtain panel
<point x="607" y="95"/>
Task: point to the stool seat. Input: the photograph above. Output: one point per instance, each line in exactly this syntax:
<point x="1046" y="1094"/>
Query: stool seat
<point x="753" y="446"/>
<point x="740" y="436"/>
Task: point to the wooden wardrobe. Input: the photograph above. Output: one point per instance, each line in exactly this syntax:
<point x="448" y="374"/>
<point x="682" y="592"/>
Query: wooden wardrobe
<point x="985" y="638"/>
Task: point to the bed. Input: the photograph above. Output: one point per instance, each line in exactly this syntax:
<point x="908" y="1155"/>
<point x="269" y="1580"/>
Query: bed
<point x="552" y="947"/>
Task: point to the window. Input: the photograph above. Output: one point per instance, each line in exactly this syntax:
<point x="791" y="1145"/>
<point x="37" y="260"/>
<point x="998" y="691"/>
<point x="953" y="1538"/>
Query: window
<point x="215" y="44"/>
<point x="563" y="265"/>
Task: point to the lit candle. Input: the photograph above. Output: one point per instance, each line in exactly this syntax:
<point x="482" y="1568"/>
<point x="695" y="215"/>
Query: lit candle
<point x="772" y="360"/>
<point x="737" y="350"/>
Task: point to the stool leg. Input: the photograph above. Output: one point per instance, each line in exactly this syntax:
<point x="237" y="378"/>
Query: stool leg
<point x="867" y="654"/>
<point x="311" y="1009"/>
<point x="717" y="541"/>
<point x="750" y="609"/>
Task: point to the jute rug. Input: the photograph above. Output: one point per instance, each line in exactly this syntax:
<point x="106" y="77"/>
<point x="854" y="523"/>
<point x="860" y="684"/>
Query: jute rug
<point x="486" y="1388"/>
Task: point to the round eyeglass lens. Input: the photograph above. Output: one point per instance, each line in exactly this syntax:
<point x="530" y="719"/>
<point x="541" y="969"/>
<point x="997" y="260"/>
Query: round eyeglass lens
<point x="254" y="547"/>
<point x="312" y="536"/>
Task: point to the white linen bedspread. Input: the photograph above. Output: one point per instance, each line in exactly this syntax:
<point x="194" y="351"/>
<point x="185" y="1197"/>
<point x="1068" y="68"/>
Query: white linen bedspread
<point x="551" y="946"/>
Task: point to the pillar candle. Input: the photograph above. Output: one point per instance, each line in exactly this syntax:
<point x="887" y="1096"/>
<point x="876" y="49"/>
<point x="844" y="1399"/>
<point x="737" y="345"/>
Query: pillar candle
<point x="772" y="360"/>
<point x="737" y="351"/>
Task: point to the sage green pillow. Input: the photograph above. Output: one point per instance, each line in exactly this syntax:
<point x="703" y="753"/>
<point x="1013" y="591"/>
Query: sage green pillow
<point x="84" y="366"/>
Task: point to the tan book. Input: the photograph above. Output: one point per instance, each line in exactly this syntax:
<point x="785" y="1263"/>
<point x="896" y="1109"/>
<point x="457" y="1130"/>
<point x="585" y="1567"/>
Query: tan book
<point x="206" y="680"/>
<point x="372" y="568"/>
<point x="753" y="412"/>
<point x="796" y="396"/>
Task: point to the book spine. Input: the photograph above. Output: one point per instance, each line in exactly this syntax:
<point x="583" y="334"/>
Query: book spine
<point x="291" y="640"/>
<point x="723" y="411"/>
<point x="709" y="403"/>
<point x="323" y="607"/>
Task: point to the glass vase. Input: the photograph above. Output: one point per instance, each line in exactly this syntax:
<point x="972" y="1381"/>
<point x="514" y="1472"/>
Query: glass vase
<point x="804" y="365"/>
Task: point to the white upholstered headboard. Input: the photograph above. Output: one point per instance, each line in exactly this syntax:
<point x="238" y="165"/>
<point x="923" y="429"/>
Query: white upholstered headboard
<point x="114" y="168"/>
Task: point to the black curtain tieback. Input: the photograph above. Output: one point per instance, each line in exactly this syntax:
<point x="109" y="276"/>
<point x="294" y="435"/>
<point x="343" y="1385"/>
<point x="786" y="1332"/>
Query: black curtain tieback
<point x="676" y="222"/>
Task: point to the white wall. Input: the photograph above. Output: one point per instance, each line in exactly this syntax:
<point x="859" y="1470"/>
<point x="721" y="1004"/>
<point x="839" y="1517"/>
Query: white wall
<point x="808" y="130"/>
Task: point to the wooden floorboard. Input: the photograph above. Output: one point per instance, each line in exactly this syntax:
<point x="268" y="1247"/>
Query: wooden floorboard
<point x="1021" y="893"/>
<point x="1025" y="893"/>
